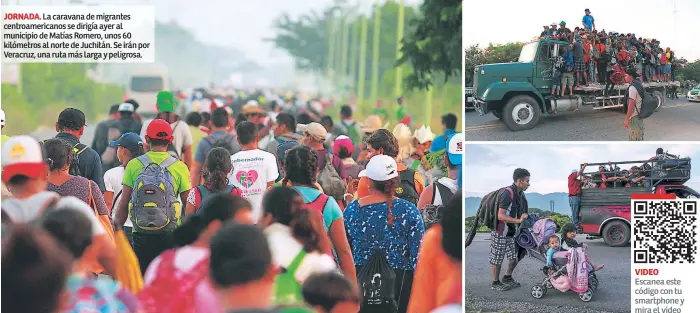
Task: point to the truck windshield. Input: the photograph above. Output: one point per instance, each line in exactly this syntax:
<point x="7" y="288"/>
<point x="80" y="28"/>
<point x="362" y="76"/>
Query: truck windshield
<point x="146" y="84"/>
<point x="528" y="53"/>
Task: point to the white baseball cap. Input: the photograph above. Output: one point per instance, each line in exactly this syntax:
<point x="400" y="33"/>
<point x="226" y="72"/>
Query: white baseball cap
<point x="455" y="148"/>
<point x="126" y="107"/>
<point x="22" y="155"/>
<point x="380" y="168"/>
<point x="2" y="117"/>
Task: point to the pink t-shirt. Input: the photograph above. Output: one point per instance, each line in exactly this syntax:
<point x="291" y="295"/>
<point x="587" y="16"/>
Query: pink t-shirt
<point x="186" y="258"/>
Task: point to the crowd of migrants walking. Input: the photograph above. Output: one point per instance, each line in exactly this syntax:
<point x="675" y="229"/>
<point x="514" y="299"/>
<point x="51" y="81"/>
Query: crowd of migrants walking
<point x="602" y="57"/>
<point x="242" y="205"/>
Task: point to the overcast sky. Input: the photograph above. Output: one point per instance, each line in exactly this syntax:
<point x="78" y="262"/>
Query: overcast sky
<point x="490" y="166"/>
<point x="513" y="20"/>
<point x="241" y="24"/>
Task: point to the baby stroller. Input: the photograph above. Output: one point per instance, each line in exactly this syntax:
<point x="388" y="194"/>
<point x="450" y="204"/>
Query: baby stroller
<point x="583" y="279"/>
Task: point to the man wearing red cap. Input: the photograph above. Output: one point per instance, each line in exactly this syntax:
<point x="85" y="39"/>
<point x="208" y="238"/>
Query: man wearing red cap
<point x="159" y="136"/>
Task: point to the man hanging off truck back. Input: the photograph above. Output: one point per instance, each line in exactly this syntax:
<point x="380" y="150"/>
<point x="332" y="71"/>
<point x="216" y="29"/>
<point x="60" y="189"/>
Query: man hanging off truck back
<point x="575" y="193"/>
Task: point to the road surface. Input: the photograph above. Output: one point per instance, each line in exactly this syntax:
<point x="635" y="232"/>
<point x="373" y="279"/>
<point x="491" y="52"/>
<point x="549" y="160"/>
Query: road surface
<point x="613" y="294"/>
<point x="678" y="120"/>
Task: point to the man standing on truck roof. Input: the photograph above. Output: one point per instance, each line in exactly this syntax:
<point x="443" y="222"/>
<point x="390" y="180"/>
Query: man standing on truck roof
<point x="588" y="21"/>
<point x="565" y="34"/>
<point x="633" y="123"/>
<point x="511" y="204"/>
<point x="575" y="192"/>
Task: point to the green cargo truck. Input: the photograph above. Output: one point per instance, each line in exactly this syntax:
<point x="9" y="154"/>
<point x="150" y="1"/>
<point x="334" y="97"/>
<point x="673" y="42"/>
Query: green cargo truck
<point x="519" y="93"/>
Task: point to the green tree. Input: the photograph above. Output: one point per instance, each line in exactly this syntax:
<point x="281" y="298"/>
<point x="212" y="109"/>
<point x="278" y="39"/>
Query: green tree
<point x="433" y="43"/>
<point x="689" y="71"/>
<point x="494" y="53"/>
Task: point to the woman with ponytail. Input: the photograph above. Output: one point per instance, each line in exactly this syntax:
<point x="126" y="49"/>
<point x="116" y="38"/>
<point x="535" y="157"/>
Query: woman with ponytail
<point x="385" y="222"/>
<point x="300" y="168"/>
<point x="295" y="233"/>
<point x="176" y="281"/>
<point x="217" y="167"/>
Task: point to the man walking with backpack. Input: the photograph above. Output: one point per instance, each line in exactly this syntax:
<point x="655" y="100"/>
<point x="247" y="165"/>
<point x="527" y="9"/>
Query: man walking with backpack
<point x="633" y="122"/>
<point x="512" y="210"/>
<point x="70" y="127"/>
<point x="219" y="138"/>
<point x="152" y="184"/>
<point x="284" y="129"/>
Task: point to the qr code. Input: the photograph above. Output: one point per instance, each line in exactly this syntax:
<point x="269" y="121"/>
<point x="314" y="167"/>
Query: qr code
<point x="665" y="232"/>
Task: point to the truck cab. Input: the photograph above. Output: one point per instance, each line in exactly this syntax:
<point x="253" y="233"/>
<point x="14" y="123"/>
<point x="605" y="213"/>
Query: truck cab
<point x="606" y="212"/>
<point x="519" y="93"/>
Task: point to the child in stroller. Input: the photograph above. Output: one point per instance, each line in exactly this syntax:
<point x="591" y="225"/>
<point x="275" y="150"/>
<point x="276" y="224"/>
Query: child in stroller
<point x="564" y="270"/>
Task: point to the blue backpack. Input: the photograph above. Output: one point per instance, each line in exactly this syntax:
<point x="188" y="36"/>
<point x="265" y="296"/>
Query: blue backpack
<point x="154" y="197"/>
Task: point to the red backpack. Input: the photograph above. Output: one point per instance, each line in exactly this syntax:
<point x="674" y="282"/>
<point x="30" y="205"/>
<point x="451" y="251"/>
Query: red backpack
<point x="318" y="205"/>
<point x="172" y="290"/>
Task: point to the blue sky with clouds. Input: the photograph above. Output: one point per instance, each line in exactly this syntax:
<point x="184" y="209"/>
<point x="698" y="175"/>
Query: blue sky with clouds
<point x="514" y="20"/>
<point x="490" y="166"/>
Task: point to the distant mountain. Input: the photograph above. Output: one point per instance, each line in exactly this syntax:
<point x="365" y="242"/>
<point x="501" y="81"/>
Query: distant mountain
<point x="534" y="200"/>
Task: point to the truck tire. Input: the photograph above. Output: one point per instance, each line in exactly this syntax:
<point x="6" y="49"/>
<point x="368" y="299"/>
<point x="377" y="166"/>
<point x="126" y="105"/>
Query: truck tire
<point x="661" y="98"/>
<point x="498" y="113"/>
<point x="521" y="113"/>
<point x="617" y="234"/>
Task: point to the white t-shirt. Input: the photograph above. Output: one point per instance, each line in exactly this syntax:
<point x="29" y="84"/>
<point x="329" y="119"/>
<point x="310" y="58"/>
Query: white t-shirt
<point x="252" y="170"/>
<point x="182" y="137"/>
<point x="26" y="210"/>
<point x="634" y="94"/>
<point x="113" y="182"/>
<point x="285" y="248"/>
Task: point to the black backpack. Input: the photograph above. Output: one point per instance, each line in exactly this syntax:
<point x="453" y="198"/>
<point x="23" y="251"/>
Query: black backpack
<point x="649" y="101"/>
<point x="224" y="142"/>
<point x="377" y="282"/>
<point x="407" y="187"/>
<point x="78" y="148"/>
<point x="433" y="213"/>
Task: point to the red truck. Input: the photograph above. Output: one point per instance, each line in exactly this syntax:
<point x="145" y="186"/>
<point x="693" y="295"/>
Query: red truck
<point x="606" y="212"/>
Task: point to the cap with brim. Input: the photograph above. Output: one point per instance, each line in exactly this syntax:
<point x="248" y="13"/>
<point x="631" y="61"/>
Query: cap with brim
<point x="166" y="102"/>
<point x="553" y="24"/>
<point x="343" y="141"/>
<point x="159" y="129"/>
<point x="126" y="107"/>
<point x="128" y="140"/>
<point x="562" y="22"/>
<point x="455" y="148"/>
<point x="380" y="168"/>
<point x="22" y="155"/>
<point x="72" y="118"/>
<point x="587" y="10"/>
<point x="314" y="130"/>
<point x="282" y="149"/>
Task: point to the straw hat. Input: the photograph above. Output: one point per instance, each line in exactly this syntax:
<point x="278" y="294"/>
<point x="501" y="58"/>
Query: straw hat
<point x="372" y="123"/>
<point x="424" y="134"/>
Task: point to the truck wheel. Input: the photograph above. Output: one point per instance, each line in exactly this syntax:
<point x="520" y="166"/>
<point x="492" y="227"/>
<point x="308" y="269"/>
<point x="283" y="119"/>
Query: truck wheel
<point x="521" y="113"/>
<point x="660" y="98"/>
<point x="617" y="234"/>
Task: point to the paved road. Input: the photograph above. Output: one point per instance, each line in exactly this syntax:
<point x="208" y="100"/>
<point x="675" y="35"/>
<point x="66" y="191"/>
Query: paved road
<point x="613" y="294"/>
<point x="46" y="133"/>
<point x="678" y="120"/>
